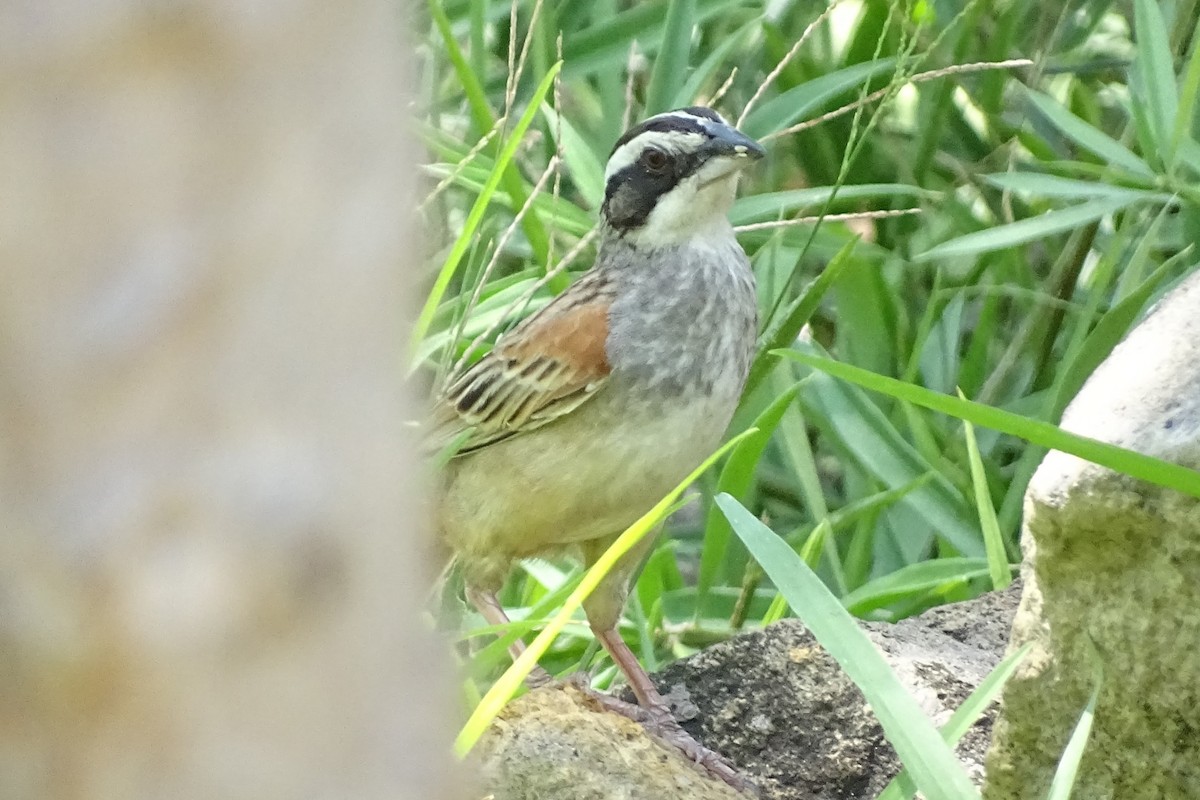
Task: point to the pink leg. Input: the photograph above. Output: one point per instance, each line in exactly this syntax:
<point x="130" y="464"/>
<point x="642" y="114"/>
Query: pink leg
<point x="490" y="609"/>
<point x="656" y="715"/>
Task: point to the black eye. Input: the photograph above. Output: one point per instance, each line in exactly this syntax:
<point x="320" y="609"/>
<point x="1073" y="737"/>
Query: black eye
<point x="655" y="161"/>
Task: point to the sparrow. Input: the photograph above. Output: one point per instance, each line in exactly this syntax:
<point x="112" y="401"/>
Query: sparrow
<point x="586" y="414"/>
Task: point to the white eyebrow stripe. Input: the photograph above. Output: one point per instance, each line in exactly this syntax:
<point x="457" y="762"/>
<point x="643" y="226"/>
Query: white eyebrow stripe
<point x="629" y="152"/>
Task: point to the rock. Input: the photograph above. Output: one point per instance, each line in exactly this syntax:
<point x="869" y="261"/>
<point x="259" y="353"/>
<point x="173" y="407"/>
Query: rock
<point x="773" y="701"/>
<point x="1112" y="574"/>
<point x="556" y="743"/>
<point x="779" y="706"/>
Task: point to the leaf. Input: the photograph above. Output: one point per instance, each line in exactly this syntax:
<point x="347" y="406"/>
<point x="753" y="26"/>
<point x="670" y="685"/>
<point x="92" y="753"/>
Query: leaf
<point x="859" y="429"/>
<point x="1089" y="137"/>
<point x="1113" y="326"/>
<point x="988" y="690"/>
<point x="674" y="50"/>
<point x="796" y="314"/>
<point x="1137" y="465"/>
<point x="605" y="44"/>
<point x="465" y="236"/>
<point x="1155" y="73"/>
<point x="484" y="119"/>
<point x="931" y="762"/>
<point x="1026" y="230"/>
<point x="586" y="170"/>
<point x="914" y="579"/>
<point x="993" y="541"/>
<point x="736" y="478"/>
<point x="1068" y="764"/>
<point x="791" y="106"/>
<point x="690" y="92"/>
<point x="774" y="205"/>
<point x="1042" y="185"/>
<point x="1187" y="99"/>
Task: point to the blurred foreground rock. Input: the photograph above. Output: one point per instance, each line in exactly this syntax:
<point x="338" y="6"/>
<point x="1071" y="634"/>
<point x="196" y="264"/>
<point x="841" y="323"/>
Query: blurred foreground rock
<point x="1112" y="571"/>
<point x="772" y="701"/>
<point x="207" y="579"/>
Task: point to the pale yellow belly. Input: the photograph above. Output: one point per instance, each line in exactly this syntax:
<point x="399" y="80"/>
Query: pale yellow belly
<point x="587" y="476"/>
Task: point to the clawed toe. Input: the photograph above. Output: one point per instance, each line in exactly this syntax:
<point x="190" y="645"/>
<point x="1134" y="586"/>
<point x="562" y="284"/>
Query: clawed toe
<point x="662" y="725"/>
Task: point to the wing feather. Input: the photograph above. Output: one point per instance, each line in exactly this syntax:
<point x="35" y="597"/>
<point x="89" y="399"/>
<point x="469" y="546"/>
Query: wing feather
<point x="548" y="366"/>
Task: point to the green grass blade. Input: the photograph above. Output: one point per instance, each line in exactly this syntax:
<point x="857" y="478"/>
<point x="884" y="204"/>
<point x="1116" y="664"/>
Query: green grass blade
<point x="793" y="318"/>
<point x="1155" y="73"/>
<point x="605" y="43"/>
<point x="818" y="542"/>
<point x="993" y="540"/>
<point x="736" y="478"/>
<point x="1025" y="230"/>
<point x="1112" y="327"/>
<point x="1043" y="185"/>
<point x="933" y="765"/>
<point x="673" y="54"/>
<point x="504" y="688"/>
<point x="1137" y="465"/>
<point x="791" y="106"/>
<point x="902" y="786"/>
<point x="1089" y="137"/>
<point x="1068" y="764"/>
<point x="690" y="92"/>
<point x="484" y="119"/>
<point x="586" y="170"/>
<point x="771" y="205"/>
<point x="1187" y="98"/>
<point x="858" y="429"/>
<point x="913" y="581"/>
<point x="438" y="290"/>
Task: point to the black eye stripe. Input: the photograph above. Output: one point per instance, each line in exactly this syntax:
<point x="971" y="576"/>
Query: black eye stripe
<point x="633" y="191"/>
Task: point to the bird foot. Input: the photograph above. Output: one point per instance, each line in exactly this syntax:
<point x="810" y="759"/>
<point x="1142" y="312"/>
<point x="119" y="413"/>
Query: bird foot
<point x="660" y="723"/>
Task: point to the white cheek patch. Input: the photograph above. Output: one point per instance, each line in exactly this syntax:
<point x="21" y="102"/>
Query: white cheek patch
<point x="690" y="212"/>
<point x="668" y="141"/>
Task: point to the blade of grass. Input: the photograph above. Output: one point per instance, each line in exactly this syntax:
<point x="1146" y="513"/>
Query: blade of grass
<point x="789" y="106"/>
<point x="1187" y="99"/>
<point x="687" y="95"/>
<point x="585" y="168"/>
<point x="1137" y="465"/>
<point x="1156" y="74"/>
<point x="993" y="541"/>
<point x="794" y="317"/>
<point x="1089" y="137"/>
<point x="816" y="544"/>
<point x="914" y="579"/>
<point x="1026" y="230"/>
<point x="933" y="765"/>
<point x="902" y="786"/>
<point x="674" y="49"/>
<point x="484" y="119"/>
<point x="855" y="426"/>
<point x="1043" y="185"/>
<point x="1068" y="764"/>
<point x="504" y="688"/>
<point x="438" y="290"/>
<point x="736" y="478"/>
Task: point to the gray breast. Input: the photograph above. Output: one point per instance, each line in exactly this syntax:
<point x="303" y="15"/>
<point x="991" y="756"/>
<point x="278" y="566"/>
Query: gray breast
<point x="685" y="320"/>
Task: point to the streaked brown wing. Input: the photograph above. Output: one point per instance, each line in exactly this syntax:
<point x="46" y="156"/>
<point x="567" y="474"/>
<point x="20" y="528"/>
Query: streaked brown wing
<point x="546" y="367"/>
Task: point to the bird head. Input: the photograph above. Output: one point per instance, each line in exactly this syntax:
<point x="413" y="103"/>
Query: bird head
<point x="673" y="176"/>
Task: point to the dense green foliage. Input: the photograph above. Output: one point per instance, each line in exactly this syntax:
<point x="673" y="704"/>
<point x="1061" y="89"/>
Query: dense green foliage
<point x="1051" y="203"/>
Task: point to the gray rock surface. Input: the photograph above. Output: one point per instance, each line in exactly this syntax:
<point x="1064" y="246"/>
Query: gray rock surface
<point x="1112" y="573"/>
<point x="774" y="702"/>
